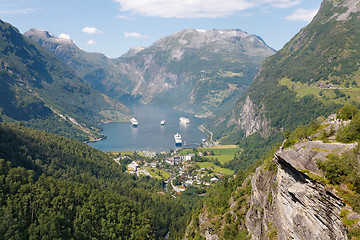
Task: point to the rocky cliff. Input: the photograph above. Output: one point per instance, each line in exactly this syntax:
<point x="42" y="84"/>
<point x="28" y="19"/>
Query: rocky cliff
<point x="287" y="197"/>
<point x="289" y="205"/>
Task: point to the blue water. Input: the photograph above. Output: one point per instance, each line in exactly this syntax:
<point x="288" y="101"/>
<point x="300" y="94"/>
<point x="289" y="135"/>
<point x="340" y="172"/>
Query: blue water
<point x="150" y="135"/>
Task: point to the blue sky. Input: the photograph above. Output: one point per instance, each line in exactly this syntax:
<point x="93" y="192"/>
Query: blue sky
<point x="112" y="27"/>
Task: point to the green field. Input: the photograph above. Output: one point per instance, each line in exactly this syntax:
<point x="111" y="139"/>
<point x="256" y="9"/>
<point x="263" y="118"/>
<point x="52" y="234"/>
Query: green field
<point x="216" y="168"/>
<point x="130" y="153"/>
<point x="155" y="173"/>
<point x="223" y="153"/>
<point x="186" y="151"/>
<point x="303" y="89"/>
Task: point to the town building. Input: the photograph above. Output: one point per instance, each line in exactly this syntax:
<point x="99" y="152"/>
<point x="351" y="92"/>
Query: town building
<point x="133" y="166"/>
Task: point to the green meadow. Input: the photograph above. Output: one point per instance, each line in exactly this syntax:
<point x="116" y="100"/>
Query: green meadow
<point x="216" y="169"/>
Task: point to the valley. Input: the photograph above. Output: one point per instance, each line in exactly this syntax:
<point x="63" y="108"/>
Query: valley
<point x="194" y="71"/>
<point x="203" y="134"/>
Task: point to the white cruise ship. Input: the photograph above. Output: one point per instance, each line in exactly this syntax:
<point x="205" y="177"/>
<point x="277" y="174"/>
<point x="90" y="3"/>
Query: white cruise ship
<point x="184" y="120"/>
<point x="178" y="140"/>
<point x="134" y="122"/>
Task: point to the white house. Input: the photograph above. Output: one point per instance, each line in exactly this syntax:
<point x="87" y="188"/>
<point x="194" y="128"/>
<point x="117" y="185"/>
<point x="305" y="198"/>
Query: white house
<point x="187" y="157"/>
<point x="133" y="166"/>
<point x="214" y="179"/>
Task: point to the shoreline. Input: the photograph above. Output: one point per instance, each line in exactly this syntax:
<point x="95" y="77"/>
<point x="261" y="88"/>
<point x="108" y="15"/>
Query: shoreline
<point x="207" y="132"/>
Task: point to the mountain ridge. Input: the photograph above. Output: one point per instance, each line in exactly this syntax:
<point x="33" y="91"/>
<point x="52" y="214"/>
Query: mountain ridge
<point x="312" y="75"/>
<point x="192" y="70"/>
<point x="47" y="94"/>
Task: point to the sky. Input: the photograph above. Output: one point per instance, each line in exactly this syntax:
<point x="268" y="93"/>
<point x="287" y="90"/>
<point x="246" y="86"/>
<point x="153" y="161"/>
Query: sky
<point x="112" y="27"/>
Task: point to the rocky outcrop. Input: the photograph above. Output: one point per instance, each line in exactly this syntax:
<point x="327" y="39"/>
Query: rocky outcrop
<point x="352" y="6"/>
<point x="250" y="120"/>
<point x="289" y="205"/>
<point x="292" y="206"/>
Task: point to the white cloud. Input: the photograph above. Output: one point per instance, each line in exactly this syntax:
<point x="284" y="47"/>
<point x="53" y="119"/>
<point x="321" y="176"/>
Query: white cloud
<point x="305" y="15"/>
<point x="134" y="34"/>
<point x="277" y="3"/>
<point x="18" y="11"/>
<point x="65" y="36"/>
<point x="90" y="42"/>
<point x="196" y="8"/>
<point x="183" y="9"/>
<point x="91" y="30"/>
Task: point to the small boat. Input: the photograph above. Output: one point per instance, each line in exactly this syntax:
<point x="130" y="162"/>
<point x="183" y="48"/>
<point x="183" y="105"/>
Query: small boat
<point x="162" y="122"/>
<point x="134" y="122"/>
<point x="178" y="140"/>
<point x="184" y="120"/>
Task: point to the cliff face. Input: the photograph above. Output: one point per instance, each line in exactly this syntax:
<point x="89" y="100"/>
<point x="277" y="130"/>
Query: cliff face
<point x="250" y="119"/>
<point x="288" y="196"/>
<point x="292" y="206"/>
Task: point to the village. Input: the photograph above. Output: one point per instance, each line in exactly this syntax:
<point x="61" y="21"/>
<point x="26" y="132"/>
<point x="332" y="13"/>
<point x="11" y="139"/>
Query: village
<point x="182" y="169"/>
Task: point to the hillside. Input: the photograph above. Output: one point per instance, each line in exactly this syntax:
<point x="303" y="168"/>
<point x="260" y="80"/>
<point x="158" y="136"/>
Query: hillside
<point x="306" y="189"/>
<point x="199" y="71"/>
<point x="313" y="75"/>
<point x="94" y="68"/>
<point x="53" y="187"/>
<point x="38" y="89"/>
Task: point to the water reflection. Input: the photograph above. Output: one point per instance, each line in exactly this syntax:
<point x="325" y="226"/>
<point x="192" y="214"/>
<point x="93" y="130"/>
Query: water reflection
<point x="150" y="134"/>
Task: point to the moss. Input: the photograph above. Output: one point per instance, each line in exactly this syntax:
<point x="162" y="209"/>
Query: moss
<point x="271" y="166"/>
<point x="272" y="233"/>
<point x="351" y="225"/>
<point x="270" y="196"/>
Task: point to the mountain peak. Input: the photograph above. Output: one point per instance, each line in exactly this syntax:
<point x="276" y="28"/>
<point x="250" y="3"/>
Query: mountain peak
<point x="217" y="39"/>
<point x="133" y="51"/>
<point x="42" y="34"/>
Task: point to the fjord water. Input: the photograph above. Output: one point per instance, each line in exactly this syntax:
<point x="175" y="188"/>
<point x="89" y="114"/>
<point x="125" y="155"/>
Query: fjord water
<point x="150" y="135"/>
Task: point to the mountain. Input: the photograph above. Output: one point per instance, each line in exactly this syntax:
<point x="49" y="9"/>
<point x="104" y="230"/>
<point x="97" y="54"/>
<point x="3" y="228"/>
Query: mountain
<point x="38" y="89"/>
<point x="199" y="71"/>
<point x="132" y="52"/>
<point x="314" y="74"/>
<point x="95" y="68"/>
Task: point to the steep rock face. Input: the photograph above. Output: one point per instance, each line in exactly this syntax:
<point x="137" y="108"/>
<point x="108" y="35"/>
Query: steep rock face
<point x="250" y="120"/>
<point x="292" y="206"/>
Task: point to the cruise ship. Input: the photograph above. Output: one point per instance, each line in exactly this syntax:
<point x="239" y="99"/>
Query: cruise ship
<point x="178" y="140"/>
<point x="184" y="120"/>
<point x="134" y="122"/>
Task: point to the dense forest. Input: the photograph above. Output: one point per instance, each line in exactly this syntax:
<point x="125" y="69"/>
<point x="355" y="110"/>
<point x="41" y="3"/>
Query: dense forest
<point x="53" y="187"/>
